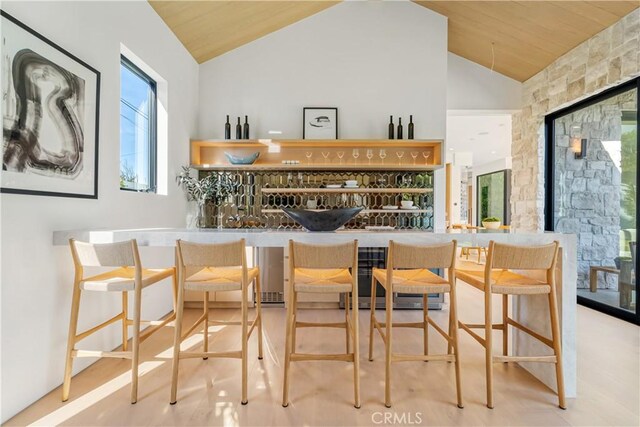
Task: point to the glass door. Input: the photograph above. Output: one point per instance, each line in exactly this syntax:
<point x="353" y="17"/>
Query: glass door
<point x="592" y="191"/>
<point x="493" y="196"/>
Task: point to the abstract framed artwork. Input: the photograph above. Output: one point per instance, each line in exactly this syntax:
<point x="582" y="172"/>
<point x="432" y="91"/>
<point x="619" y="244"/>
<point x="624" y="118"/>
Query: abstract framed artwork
<point x="319" y="123"/>
<point x="51" y="108"/>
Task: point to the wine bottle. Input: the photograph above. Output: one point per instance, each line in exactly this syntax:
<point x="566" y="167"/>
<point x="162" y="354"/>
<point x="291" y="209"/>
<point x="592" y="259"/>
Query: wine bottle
<point x="245" y="128"/>
<point x="238" y="130"/>
<point x="391" y="127"/>
<point x="410" y="131"/>
<point x="227" y="129"/>
<point x="399" y="128"/>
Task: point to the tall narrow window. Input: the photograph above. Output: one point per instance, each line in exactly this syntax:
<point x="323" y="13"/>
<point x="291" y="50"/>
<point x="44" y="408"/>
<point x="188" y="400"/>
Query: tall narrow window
<point x="137" y="129"/>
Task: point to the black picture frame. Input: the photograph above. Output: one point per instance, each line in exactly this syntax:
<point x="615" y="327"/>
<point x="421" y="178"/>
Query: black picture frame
<point x="93" y="192"/>
<point x="305" y="131"/>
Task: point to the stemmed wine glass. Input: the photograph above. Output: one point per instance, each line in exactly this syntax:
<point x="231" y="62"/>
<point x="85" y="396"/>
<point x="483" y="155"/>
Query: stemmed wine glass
<point x="308" y="154"/>
<point x="414" y="154"/>
<point x="355" y="154"/>
<point x="369" y="155"/>
<point x="399" y="154"/>
<point x="340" y="155"/>
<point x="426" y="156"/>
<point x="325" y="154"/>
<point x="383" y="155"/>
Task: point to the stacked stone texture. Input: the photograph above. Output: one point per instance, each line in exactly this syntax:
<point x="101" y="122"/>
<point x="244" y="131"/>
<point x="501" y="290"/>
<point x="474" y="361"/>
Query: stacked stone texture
<point x="605" y="60"/>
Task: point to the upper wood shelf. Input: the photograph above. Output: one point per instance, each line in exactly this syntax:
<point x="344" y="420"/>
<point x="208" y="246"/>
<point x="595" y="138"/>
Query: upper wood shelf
<point x="210" y="154"/>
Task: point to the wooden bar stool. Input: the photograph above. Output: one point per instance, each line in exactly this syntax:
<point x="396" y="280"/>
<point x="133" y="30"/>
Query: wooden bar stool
<point x="323" y="269"/>
<point x="129" y="276"/>
<point x="498" y="279"/>
<point x="408" y="272"/>
<point x="215" y="268"/>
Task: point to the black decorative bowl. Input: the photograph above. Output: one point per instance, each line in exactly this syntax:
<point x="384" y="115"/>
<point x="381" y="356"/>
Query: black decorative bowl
<point x="329" y="220"/>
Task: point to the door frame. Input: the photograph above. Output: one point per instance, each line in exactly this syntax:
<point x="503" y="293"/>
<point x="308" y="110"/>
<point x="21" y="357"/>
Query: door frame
<point x="549" y="183"/>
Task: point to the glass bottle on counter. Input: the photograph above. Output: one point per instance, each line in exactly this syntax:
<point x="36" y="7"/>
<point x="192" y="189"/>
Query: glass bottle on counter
<point x="245" y="128"/>
<point x="238" y="130"/>
<point x="227" y="129"/>
<point x="391" y="127"/>
<point x="399" y="128"/>
<point x="410" y="130"/>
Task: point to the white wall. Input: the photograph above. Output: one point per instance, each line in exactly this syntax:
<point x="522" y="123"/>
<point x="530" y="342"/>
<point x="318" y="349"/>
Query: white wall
<point x="471" y="86"/>
<point x="369" y="59"/>
<point x="36" y="278"/>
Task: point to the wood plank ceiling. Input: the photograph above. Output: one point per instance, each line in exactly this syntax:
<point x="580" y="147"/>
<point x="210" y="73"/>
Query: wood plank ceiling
<point x="516" y="38"/>
<point x="526" y="35"/>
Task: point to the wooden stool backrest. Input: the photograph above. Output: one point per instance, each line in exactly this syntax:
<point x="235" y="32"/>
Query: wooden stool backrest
<point x="441" y="255"/>
<point x="203" y="255"/>
<point x="119" y="254"/>
<point x="303" y="255"/>
<point x="513" y="257"/>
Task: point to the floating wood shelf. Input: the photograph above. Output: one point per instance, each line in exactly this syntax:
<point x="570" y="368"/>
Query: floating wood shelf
<point x="209" y="154"/>
<point x="362" y="212"/>
<point x="346" y="190"/>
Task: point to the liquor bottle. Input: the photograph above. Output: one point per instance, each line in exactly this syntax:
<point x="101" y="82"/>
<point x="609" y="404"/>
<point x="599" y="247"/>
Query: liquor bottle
<point x="399" y="127"/>
<point x="238" y="130"/>
<point x="391" y="127"/>
<point x="227" y="129"/>
<point x="410" y="136"/>
<point x="245" y="128"/>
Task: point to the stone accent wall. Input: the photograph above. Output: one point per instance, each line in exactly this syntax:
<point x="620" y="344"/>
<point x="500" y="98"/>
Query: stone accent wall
<point x="605" y="60"/>
<point x="587" y="199"/>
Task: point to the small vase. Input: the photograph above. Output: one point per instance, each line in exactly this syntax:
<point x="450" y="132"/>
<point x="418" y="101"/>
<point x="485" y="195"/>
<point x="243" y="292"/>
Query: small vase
<point x="194" y="212"/>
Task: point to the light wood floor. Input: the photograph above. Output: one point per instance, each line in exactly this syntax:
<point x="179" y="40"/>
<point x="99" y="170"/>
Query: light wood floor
<point x="322" y="392"/>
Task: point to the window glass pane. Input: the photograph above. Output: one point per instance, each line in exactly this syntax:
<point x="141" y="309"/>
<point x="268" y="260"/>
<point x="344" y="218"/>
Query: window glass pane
<point x="137" y="99"/>
<point x="595" y="195"/>
<point x="491" y="196"/>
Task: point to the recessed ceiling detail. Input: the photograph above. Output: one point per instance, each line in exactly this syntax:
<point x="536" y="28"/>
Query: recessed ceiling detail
<point x="210" y="28"/>
<point x="514" y="38"/>
<point x="521" y="38"/>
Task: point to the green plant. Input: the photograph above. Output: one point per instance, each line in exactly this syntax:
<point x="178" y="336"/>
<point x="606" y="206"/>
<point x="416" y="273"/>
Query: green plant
<point x="215" y="187"/>
<point x="491" y="219"/>
<point x="127" y="175"/>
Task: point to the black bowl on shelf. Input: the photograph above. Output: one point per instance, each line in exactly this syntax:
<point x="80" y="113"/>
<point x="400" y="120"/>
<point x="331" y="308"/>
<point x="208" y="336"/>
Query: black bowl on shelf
<point x="329" y="220"/>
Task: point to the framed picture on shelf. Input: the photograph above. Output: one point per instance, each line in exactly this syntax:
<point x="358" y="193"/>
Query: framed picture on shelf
<point x="319" y="123"/>
<point x="50" y="117"/>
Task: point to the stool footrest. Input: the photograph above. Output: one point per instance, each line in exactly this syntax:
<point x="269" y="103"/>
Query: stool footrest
<point x="98" y="353"/>
<point x="320" y="325"/>
<point x="403" y="324"/>
<point x="543" y="359"/>
<point x="226" y="354"/>
<point x="420" y="357"/>
<point x="333" y="357"/>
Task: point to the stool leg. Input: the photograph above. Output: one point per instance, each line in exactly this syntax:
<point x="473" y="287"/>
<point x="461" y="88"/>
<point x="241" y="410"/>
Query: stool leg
<point x="453" y="334"/>
<point x="125" y="326"/>
<point x="451" y="325"/>
<point x="557" y="347"/>
<point x="387" y="370"/>
<point x="488" y="346"/>
<point x="372" y="317"/>
<point x="259" y="315"/>
<point x="177" y="339"/>
<point x="505" y="326"/>
<point x="425" y="326"/>
<point x="356" y="346"/>
<point x="245" y="340"/>
<point x="346" y="320"/>
<point x="71" y="340"/>
<point x="288" y="348"/>
<point x="295" y="319"/>
<point x="205" y="330"/>
<point x="136" y="342"/>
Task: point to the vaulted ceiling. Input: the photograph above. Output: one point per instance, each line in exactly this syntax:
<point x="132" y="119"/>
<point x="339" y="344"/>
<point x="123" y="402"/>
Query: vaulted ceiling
<point x="515" y="38"/>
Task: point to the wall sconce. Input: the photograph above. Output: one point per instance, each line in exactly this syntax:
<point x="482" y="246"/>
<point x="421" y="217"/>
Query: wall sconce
<point x="579" y="148"/>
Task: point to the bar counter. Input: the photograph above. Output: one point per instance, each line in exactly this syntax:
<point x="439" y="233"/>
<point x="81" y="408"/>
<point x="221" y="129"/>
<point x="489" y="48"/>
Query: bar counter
<point x="531" y="311"/>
